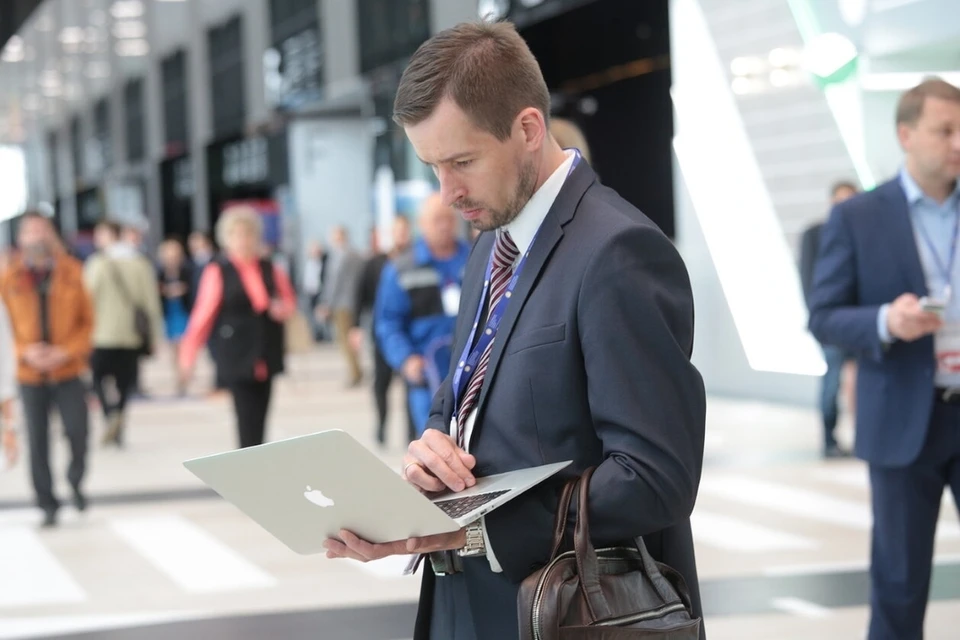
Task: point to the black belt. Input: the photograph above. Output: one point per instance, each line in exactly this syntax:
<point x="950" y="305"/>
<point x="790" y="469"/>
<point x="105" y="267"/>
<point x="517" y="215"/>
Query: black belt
<point x="948" y="395"/>
<point x="446" y="563"/>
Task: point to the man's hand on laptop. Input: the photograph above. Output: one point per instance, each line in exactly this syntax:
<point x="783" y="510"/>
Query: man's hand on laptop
<point x="435" y="463"/>
<point x="350" y="546"/>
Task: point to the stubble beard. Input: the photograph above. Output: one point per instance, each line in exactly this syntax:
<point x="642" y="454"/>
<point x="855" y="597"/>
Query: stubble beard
<point x="526" y="187"/>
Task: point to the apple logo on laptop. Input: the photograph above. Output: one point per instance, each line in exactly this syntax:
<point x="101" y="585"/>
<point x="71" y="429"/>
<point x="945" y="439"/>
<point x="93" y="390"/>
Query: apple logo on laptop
<point x="316" y="497"/>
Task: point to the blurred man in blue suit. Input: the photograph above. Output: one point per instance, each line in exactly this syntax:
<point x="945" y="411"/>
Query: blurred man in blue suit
<point x="887" y="287"/>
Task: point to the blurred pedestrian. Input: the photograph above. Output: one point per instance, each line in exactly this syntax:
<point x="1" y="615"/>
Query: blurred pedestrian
<point x="241" y="306"/>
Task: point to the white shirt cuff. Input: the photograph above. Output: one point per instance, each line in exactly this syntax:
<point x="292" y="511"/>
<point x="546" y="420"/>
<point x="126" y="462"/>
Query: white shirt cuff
<point x="491" y="556"/>
<point x="882" y="329"/>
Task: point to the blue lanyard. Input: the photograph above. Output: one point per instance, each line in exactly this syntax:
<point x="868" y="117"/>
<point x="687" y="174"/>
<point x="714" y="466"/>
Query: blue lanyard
<point x="469" y="359"/>
<point x="945" y="270"/>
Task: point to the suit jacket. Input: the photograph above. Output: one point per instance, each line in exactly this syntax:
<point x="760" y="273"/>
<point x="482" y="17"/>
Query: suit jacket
<point x="339" y="291"/>
<point x="869" y="257"/>
<point x="591" y="363"/>
<point x="809" y="250"/>
<point x="367" y="285"/>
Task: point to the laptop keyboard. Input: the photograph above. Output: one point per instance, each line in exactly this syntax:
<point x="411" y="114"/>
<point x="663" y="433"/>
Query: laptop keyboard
<point x="457" y="507"/>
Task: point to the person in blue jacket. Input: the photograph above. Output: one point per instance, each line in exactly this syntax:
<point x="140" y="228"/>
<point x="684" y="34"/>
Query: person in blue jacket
<point x="417" y="303"/>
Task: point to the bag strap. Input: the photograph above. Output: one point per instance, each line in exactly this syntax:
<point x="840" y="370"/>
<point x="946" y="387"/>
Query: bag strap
<point x="121" y="284"/>
<point x="660" y="581"/>
<point x="587" y="563"/>
<point x="563" y="513"/>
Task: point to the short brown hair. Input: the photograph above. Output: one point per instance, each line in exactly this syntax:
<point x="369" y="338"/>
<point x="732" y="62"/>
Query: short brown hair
<point x="910" y="107"/>
<point x="842" y="184"/>
<point x="486" y="68"/>
<point x="111" y="227"/>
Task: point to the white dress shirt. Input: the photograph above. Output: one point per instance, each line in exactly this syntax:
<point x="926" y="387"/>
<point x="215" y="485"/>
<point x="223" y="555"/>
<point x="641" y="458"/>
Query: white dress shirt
<point x="522" y="230"/>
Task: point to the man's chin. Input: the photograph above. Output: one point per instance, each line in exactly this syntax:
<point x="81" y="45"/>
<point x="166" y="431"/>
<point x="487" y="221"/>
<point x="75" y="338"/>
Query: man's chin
<point x="483" y="225"/>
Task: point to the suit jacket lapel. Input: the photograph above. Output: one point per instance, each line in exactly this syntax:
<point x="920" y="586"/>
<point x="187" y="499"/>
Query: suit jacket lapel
<point x="550" y="233"/>
<point x="470" y="302"/>
<point x="898" y="222"/>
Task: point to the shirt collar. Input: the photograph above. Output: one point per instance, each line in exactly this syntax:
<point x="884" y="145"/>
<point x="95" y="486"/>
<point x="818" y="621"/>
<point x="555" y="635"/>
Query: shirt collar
<point x="915" y="194"/>
<point x="524" y="227"/>
<point x="121" y="250"/>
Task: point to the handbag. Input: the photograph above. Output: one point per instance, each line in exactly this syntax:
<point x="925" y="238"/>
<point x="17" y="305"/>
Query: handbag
<point x="616" y="593"/>
<point x="141" y="320"/>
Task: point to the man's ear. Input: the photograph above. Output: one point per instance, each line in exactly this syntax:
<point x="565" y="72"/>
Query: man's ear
<point x="533" y="126"/>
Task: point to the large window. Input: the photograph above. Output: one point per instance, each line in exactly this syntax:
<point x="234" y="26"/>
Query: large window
<point x="176" y="122"/>
<point x="76" y="148"/>
<point x="53" y="164"/>
<point x="226" y="78"/>
<point x="391" y="30"/>
<point x="295" y="62"/>
<point x="133" y="107"/>
<point x="101" y="151"/>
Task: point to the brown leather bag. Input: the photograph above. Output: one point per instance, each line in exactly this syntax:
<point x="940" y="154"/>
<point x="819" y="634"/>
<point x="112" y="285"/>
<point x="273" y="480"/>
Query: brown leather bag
<point x="618" y="593"/>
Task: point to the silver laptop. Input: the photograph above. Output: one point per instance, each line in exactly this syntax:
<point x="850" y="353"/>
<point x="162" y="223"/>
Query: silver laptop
<point x="306" y="489"/>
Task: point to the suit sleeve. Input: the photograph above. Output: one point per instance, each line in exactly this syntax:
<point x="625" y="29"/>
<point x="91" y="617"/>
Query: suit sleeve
<point x="646" y="399"/>
<point x="808" y="259"/>
<point x="836" y="315"/>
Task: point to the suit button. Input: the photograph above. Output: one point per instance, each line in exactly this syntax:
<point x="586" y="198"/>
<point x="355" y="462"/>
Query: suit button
<point x="226" y="332"/>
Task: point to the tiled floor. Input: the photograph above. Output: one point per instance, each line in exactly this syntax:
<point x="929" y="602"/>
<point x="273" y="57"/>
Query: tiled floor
<point x="781" y="536"/>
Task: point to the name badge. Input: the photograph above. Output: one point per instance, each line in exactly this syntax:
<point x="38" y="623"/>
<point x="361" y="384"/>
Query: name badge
<point x="947" y="345"/>
<point x="451" y="299"/>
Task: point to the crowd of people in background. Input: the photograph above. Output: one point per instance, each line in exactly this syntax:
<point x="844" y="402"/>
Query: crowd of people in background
<point x="75" y="329"/>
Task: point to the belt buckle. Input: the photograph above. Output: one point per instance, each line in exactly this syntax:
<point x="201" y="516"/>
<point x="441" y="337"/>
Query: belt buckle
<point x="445" y="563"/>
<point x="949" y="394"/>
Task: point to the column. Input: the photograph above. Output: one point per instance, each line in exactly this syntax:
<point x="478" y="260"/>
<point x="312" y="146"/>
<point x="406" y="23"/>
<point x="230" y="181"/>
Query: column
<point x="200" y="107"/>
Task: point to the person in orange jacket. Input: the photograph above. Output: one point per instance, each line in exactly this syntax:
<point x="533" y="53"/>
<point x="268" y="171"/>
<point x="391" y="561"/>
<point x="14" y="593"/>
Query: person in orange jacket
<point x="52" y="320"/>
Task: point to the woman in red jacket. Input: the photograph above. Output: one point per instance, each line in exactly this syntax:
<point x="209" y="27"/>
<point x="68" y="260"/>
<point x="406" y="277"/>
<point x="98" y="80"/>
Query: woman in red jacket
<point x="241" y="306"/>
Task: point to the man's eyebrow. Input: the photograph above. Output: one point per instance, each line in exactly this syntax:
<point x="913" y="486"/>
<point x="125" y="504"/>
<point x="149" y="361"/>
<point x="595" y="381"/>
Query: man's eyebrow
<point x="448" y="159"/>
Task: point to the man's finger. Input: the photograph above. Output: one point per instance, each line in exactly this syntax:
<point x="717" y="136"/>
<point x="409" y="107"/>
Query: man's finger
<point x="370" y="551"/>
<point x="436" y="464"/>
<point x="420" y="477"/>
<point x="429" y="544"/>
<point x="337" y="549"/>
<point x="442" y="457"/>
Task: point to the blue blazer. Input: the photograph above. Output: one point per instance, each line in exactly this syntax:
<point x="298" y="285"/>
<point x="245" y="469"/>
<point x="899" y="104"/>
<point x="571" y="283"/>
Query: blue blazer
<point x="868" y="258"/>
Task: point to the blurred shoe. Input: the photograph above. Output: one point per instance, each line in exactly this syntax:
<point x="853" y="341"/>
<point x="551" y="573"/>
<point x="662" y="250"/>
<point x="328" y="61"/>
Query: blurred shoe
<point x="49" y="519"/>
<point x="114" y="425"/>
<point x="79" y="500"/>
<point x="834" y="452"/>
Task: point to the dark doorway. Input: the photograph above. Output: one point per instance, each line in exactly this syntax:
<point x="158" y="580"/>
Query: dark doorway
<point x="608" y="69"/>
<point x="176" y="179"/>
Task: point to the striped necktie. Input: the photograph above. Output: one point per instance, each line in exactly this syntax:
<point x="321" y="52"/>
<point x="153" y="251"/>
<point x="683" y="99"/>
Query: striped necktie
<point x="505" y="253"/>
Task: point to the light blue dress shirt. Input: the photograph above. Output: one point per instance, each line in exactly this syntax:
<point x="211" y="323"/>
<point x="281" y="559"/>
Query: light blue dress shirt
<point x="933" y="227"/>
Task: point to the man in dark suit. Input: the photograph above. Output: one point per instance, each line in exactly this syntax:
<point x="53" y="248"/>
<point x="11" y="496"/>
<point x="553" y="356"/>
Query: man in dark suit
<point x="881" y="254"/>
<point x="575" y="347"/>
<point x="834" y="357"/>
